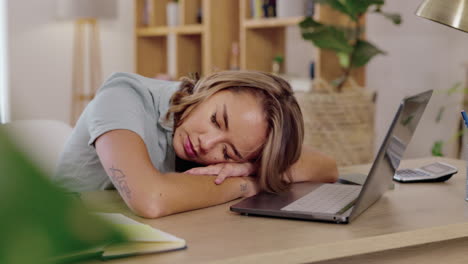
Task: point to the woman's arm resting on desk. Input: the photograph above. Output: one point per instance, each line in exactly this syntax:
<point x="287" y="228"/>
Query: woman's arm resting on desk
<point x="311" y="166"/>
<point x="314" y="166"/>
<point x="152" y="194"/>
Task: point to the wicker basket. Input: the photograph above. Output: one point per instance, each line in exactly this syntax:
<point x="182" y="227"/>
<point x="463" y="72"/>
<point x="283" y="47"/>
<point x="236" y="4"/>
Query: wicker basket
<point x="339" y="124"/>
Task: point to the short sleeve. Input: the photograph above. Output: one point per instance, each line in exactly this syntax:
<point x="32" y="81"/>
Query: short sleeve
<point x="118" y="106"/>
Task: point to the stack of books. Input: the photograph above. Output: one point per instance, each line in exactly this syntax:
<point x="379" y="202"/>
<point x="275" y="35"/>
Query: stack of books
<point x="263" y="8"/>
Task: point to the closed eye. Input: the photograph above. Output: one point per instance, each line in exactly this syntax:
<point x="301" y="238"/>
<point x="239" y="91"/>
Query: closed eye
<point x="226" y="155"/>
<point x="214" y="120"/>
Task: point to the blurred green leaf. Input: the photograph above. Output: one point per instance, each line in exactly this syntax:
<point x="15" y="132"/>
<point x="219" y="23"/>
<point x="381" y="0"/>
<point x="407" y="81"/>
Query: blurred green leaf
<point x="359" y="7"/>
<point x="309" y="22"/>
<point x="352" y="8"/>
<point x="325" y="37"/>
<point x="454" y="88"/>
<point x="39" y="221"/>
<point x="406" y="121"/>
<point x="278" y="58"/>
<point x="338" y="81"/>
<point x="440" y="114"/>
<point x="344" y="59"/>
<point x="336" y="4"/>
<point x="394" y="17"/>
<point x="352" y="33"/>
<point x="363" y="52"/>
<point x="458" y="134"/>
<point x="437" y="148"/>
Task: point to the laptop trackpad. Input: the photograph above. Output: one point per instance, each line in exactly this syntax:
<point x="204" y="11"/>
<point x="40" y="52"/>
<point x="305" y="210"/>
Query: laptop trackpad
<point x="269" y="201"/>
<point x="352" y="178"/>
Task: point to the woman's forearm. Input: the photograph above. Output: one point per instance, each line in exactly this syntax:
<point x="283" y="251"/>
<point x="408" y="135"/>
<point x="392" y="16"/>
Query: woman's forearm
<point x="155" y="194"/>
<point x="150" y="193"/>
<point x="184" y="192"/>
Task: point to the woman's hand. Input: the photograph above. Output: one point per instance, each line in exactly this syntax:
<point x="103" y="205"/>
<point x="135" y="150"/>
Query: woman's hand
<point x="225" y="170"/>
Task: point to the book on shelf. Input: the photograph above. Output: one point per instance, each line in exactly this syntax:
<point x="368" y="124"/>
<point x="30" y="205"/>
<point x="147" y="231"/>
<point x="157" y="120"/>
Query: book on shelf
<point x="262" y="8"/>
<point x="147" y="13"/>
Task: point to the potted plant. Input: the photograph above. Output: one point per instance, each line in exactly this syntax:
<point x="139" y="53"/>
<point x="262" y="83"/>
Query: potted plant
<point x="338" y="121"/>
<point x="348" y="43"/>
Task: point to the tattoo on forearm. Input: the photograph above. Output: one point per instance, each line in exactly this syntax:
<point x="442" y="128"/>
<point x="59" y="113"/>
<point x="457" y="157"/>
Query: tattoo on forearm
<point x="243" y="187"/>
<point x="120" y="182"/>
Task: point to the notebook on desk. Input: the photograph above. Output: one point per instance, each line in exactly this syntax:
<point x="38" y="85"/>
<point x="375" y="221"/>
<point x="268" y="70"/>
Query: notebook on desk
<point x="141" y="239"/>
<point x="341" y="203"/>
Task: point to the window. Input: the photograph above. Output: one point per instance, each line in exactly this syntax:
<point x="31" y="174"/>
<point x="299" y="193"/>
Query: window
<point x="4" y="96"/>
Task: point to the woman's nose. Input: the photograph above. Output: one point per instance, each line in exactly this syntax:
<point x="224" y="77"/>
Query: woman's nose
<point x="208" y="142"/>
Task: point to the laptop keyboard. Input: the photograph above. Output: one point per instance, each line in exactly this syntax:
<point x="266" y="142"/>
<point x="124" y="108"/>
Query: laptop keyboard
<point x="328" y="198"/>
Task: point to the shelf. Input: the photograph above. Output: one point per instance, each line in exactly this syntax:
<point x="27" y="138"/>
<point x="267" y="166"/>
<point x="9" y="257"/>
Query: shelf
<point x="272" y="22"/>
<point x="201" y="42"/>
<point x="152" y="31"/>
<point x="189" y="54"/>
<point x="163" y="31"/>
<point x="188" y="29"/>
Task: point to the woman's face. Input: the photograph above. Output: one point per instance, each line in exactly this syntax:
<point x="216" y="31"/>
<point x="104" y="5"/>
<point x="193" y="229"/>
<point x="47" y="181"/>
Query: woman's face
<point x="227" y="127"/>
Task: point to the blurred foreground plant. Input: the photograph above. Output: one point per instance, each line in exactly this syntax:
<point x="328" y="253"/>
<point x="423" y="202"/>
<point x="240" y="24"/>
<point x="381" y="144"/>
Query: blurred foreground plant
<point x="40" y="223"/>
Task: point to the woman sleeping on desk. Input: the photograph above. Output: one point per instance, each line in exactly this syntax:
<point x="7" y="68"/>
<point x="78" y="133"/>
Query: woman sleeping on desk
<point x="169" y="147"/>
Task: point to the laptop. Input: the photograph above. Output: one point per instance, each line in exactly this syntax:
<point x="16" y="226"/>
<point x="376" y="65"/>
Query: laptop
<point x="339" y="202"/>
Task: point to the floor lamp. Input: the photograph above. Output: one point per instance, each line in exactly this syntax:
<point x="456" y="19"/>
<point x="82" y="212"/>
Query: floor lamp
<point x="86" y="47"/>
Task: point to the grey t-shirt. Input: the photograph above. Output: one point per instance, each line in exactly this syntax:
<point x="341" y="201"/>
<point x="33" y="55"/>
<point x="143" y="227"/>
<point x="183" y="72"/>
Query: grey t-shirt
<point x="125" y="101"/>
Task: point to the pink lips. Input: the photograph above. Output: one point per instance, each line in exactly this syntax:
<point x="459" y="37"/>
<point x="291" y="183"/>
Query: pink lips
<point x="188" y="147"/>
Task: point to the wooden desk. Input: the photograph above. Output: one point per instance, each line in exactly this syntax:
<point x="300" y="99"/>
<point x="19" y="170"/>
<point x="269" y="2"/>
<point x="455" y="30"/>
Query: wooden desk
<point x="411" y="218"/>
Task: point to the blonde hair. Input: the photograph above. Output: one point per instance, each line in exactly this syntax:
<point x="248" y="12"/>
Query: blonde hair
<point x="285" y="134"/>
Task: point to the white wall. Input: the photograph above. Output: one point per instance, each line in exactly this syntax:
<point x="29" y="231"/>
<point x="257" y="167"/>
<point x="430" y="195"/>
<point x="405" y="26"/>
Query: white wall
<point x="422" y="55"/>
<point x="299" y="53"/>
<point x="4" y="91"/>
<point x="40" y="55"/>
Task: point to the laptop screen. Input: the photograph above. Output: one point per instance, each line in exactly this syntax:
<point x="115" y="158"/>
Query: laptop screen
<point x="391" y="151"/>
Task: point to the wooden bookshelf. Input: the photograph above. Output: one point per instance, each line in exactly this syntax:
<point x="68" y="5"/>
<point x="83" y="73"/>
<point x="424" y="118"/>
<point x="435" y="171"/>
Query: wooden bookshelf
<point x="205" y="46"/>
<point x="164" y="31"/>
<point x="262" y="39"/>
<point x="152" y="31"/>
<point x="201" y="46"/>
<point x="271" y="22"/>
<point x="189" y="30"/>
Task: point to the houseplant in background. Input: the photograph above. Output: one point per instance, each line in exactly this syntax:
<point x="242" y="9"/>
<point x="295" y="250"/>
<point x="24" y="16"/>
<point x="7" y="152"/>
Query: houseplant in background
<point x="449" y="141"/>
<point x="339" y="115"/>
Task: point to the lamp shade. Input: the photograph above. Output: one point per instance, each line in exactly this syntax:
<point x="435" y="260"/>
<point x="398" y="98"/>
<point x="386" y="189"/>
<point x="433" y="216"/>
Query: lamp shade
<point x="77" y="9"/>
<point x="453" y="13"/>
